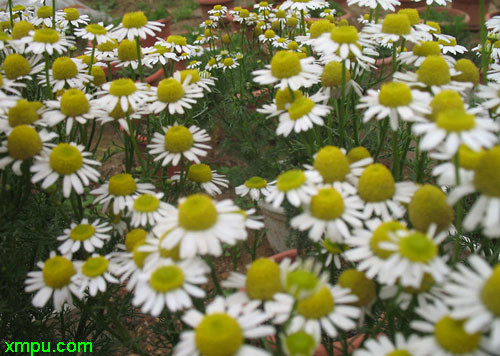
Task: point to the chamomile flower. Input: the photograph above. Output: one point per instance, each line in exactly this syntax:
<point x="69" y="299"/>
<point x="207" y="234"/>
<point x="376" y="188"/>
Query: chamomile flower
<point x="120" y="191"/>
<point x="127" y="55"/>
<point x="44" y="17"/>
<point x="9" y="90"/>
<point x="383" y="346"/>
<point x="66" y="72"/>
<point x="421" y="51"/>
<point x="397" y="101"/>
<point x="176" y="96"/>
<point x="16" y="67"/>
<point x="331" y="79"/>
<point x="414" y="253"/>
<point x="179" y="141"/>
<point x="73" y="105"/>
<point x="330" y="212"/>
<point x="334" y="252"/>
<point x="20" y="112"/>
<point x="301" y="279"/>
<point x="372" y="4"/>
<point x="105" y="52"/>
<point x="455" y="127"/>
<point x="203" y="79"/>
<point x="73" y="17"/>
<point x="303" y="5"/>
<point x="200" y="225"/>
<point x="341" y="41"/>
<point x="96" y="32"/>
<point x="86" y="235"/>
<point x="303" y="113"/>
<point x="48" y="40"/>
<point x="490" y="93"/>
<point x="68" y="160"/>
<point x="53" y="280"/>
<point x="296" y="185"/>
<point x="268" y="36"/>
<point x="169" y="284"/>
<point x="136" y="25"/>
<point x="472" y="293"/>
<point x="94" y="273"/>
<point x="147" y="208"/>
<point x="381" y="195"/>
<point x="281" y="42"/>
<point x="23" y="143"/>
<point x="209" y="179"/>
<point x="448" y="44"/>
<point x="445" y="335"/>
<point x="288" y="70"/>
<point x="296" y="341"/>
<point x="486" y="209"/>
<point x="124" y="118"/>
<point x="223" y="329"/>
<point x="229" y="63"/>
<point x="254" y="187"/>
<point x="126" y="93"/>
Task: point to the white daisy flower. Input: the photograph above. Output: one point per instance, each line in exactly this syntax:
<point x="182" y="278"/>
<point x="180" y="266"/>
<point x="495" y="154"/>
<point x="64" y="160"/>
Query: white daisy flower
<point x="268" y="36"/>
<point x="116" y="114"/>
<point x="94" y="273"/>
<point x="372" y="4"/>
<point x="96" y="32"/>
<point x="159" y="54"/>
<point x="408" y="263"/>
<point x="288" y="70"/>
<point x="147" y="208"/>
<point x="120" y="191"/>
<point x="202" y="79"/>
<point x="179" y="141"/>
<point x="200" y="225"/>
<point x="23" y="143"/>
<point x="176" y="44"/>
<point x="281" y="42"/>
<point x="445" y="335"/>
<point x="136" y="25"/>
<point x="17" y="68"/>
<point x="383" y="346"/>
<point x="448" y="44"/>
<point x="125" y="92"/>
<point x="490" y="94"/>
<point x="421" y="51"/>
<point x="53" y="280"/>
<point x="48" y="40"/>
<point x="303" y="5"/>
<point x="169" y="284"/>
<point x="66" y="72"/>
<point x="174" y="95"/>
<point x="73" y="17"/>
<point x="127" y="55"/>
<point x="254" y="187"/>
<point x="229" y="63"/>
<point x="9" y="89"/>
<point x="472" y="294"/>
<point x="88" y="236"/>
<point x="398" y="102"/>
<point x="296" y="186"/>
<point x="69" y="161"/>
<point x="105" y="52"/>
<point x="44" y="17"/>
<point x="295" y="340"/>
<point x="223" y="327"/>
<point x="20" y="112"/>
<point x="209" y="179"/>
<point x="341" y="41"/>
<point x="330" y="213"/>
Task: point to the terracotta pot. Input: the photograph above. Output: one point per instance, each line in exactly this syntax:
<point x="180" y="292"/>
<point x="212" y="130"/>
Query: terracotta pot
<point x="149" y="41"/>
<point x="449" y="10"/>
<point x="492" y="14"/>
<point x="408" y="4"/>
<point x="471" y="7"/>
<point x="207" y="5"/>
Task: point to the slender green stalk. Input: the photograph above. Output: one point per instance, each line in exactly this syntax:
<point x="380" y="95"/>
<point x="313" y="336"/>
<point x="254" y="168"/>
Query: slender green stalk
<point x="94" y="44"/>
<point x="427" y="9"/>
<point x="139" y="60"/>
<point x="213" y="273"/>
<point x="395" y="154"/>
<point x="482" y="31"/>
<point x="10" y="13"/>
<point x="47" y="78"/>
<point x="381" y="138"/>
<point x="406" y="147"/>
<point x="394" y="57"/>
<point x="342" y="106"/>
<point x="458" y="212"/>
<point x="54" y="14"/>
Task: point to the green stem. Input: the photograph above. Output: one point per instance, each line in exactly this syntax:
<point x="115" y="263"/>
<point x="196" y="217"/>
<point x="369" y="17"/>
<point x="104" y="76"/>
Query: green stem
<point x="342" y="106"/>
<point x="47" y="78"/>
<point x="394" y="57"/>
<point x="139" y="60"/>
<point x="458" y="212"/>
<point x="91" y="63"/>
<point x="382" y="133"/>
<point x="213" y="273"/>
<point x="110" y="74"/>
<point x="482" y="31"/>
<point x="426" y="16"/>
<point x="406" y="147"/>
<point x="395" y="154"/>
<point x="11" y="16"/>
<point x="54" y="14"/>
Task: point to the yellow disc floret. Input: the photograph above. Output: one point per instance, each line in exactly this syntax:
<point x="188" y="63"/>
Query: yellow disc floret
<point x="134" y="237"/>
<point x="23" y="142"/>
<point x="320" y="27"/>
<point x="122" y="184"/>
<point x="44" y="12"/>
<point x="434" y="71"/>
<point x="328" y="204"/>
<point x="122" y="87"/>
<point x="487" y="173"/>
<point x="376" y="183"/>
<point x="95" y="266"/>
<point x="455" y="121"/>
<point x="16" y="66"/>
<point x="381" y="234"/>
<point x="64" y="68"/>
<point x="344" y="34"/>
<point x="22" y="29"/>
<point x="285" y="64"/>
<point x="469" y="158"/>
<point x="332" y="164"/>
<point x="96" y="29"/>
<point x="166" y="278"/>
<point x="300" y="107"/>
<point x="146" y="203"/>
<point x="178" y="139"/>
<point x="291" y="179"/>
<point x="194" y="73"/>
<point x="127" y="51"/>
<point x="332" y="74"/>
<point x="318" y="305"/>
<point x="452" y="337"/>
<point x="360" y="286"/>
<point x="108" y="46"/>
<point x="218" y="334"/>
<point x="177" y="40"/>
<point x="284" y="97"/>
<point x="57" y="272"/>
<point x="263" y="279"/>
<point x="444" y="101"/>
<point x="170" y="90"/>
<point x="82" y="232"/>
<point x="197" y="212"/>
<point x="426" y="48"/>
<point x="74" y="103"/>
<point x="71" y="14"/>
<point x="23" y="113"/>
<point x="429" y="206"/>
<point x="46" y="35"/>
<point x="417" y="247"/>
<point x="135" y="19"/>
<point x="99" y="77"/>
<point x="66" y="159"/>
<point x="300" y="281"/>
<point x="468" y="71"/>
<point x="395" y="94"/>
<point x="139" y="256"/>
<point x="412" y="14"/>
<point x="300" y="343"/>
<point x="491" y="291"/>
<point x="357" y="154"/>
<point x="396" y="24"/>
<point x="200" y="173"/>
<point x="256" y="183"/>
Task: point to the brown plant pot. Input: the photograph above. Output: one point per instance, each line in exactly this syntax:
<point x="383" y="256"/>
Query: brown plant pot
<point x="492" y="14"/>
<point x="149" y="41"/>
<point x="471" y="7"/>
<point x="408" y="4"/>
<point x="449" y="10"/>
<point x="207" y="5"/>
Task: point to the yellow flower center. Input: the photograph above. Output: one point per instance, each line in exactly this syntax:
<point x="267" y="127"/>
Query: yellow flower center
<point x="427" y="283"/>
<point x="170" y="90"/>
<point x="95" y="266"/>
<point x="138" y="256"/>
<point x="82" y="232"/>
<point x="18" y="8"/>
<point x="412" y="14"/>
<point x="332" y="74"/>
<point x="429" y="206"/>
<point x="320" y="27"/>
<point x="487" y="173"/>
<point x="376" y="183"/>
<point x="292" y="45"/>
<point x="292" y="22"/>
<point x="434" y="71"/>
<point x="24" y="113"/>
<point x="178" y="139"/>
<point x="96" y="29"/>
<point x="328" y="204"/>
<point x="74" y="103"/>
<point x="44" y="12"/>
<point x="469" y="71"/>
<point x="167" y="278"/>
<point x="284" y="97"/>
<point x="218" y="7"/>
<point x="396" y="24"/>
<point x="122" y="184"/>
<point x="146" y="203"/>
<point x="244" y="13"/>
<point x="285" y="64"/>
<point x="300" y="343"/>
<point x="426" y="48"/>
<point x="228" y="62"/>
<point x="134" y="237"/>
<point x="469" y="158"/>
<point x="256" y="183"/>
<point x="332" y="164"/>
<point x="173" y="253"/>
<point x="122" y="87"/>
<point x="318" y="305"/>
<point x="269" y="34"/>
<point x="197" y="213"/>
<point x="46" y="35"/>
<point x="16" y="66"/>
<point x="301" y="106"/>
<point x="218" y="334"/>
<point x="333" y="247"/>
<point x="417" y="247"/>
<point x="71" y="14"/>
<point x="98" y="75"/>
<point x="344" y="34"/>
<point x="381" y="234"/>
<point x="177" y="40"/>
<point x="108" y="46"/>
<point x="357" y="154"/>
<point x="395" y="94"/>
<point x="451" y="336"/>
<point x="127" y="51"/>
<point x="448" y="42"/>
<point x="263" y="279"/>
<point x="301" y="280"/>
<point x="66" y="159"/>
<point x="195" y="75"/>
<point x="134" y="20"/>
<point x="444" y="101"/>
<point x="57" y="272"/>
<point x="64" y="68"/>
<point x="23" y="142"/>
<point x="22" y="29"/>
<point x="200" y="173"/>
<point x="455" y="121"/>
<point x="398" y="352"/>
<point x="118" y="113"/>
<point x="289" y="180"/>
<point x="491" y="291"/>
<point x="360" y="286"/>
<point x="436" y="28"/>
